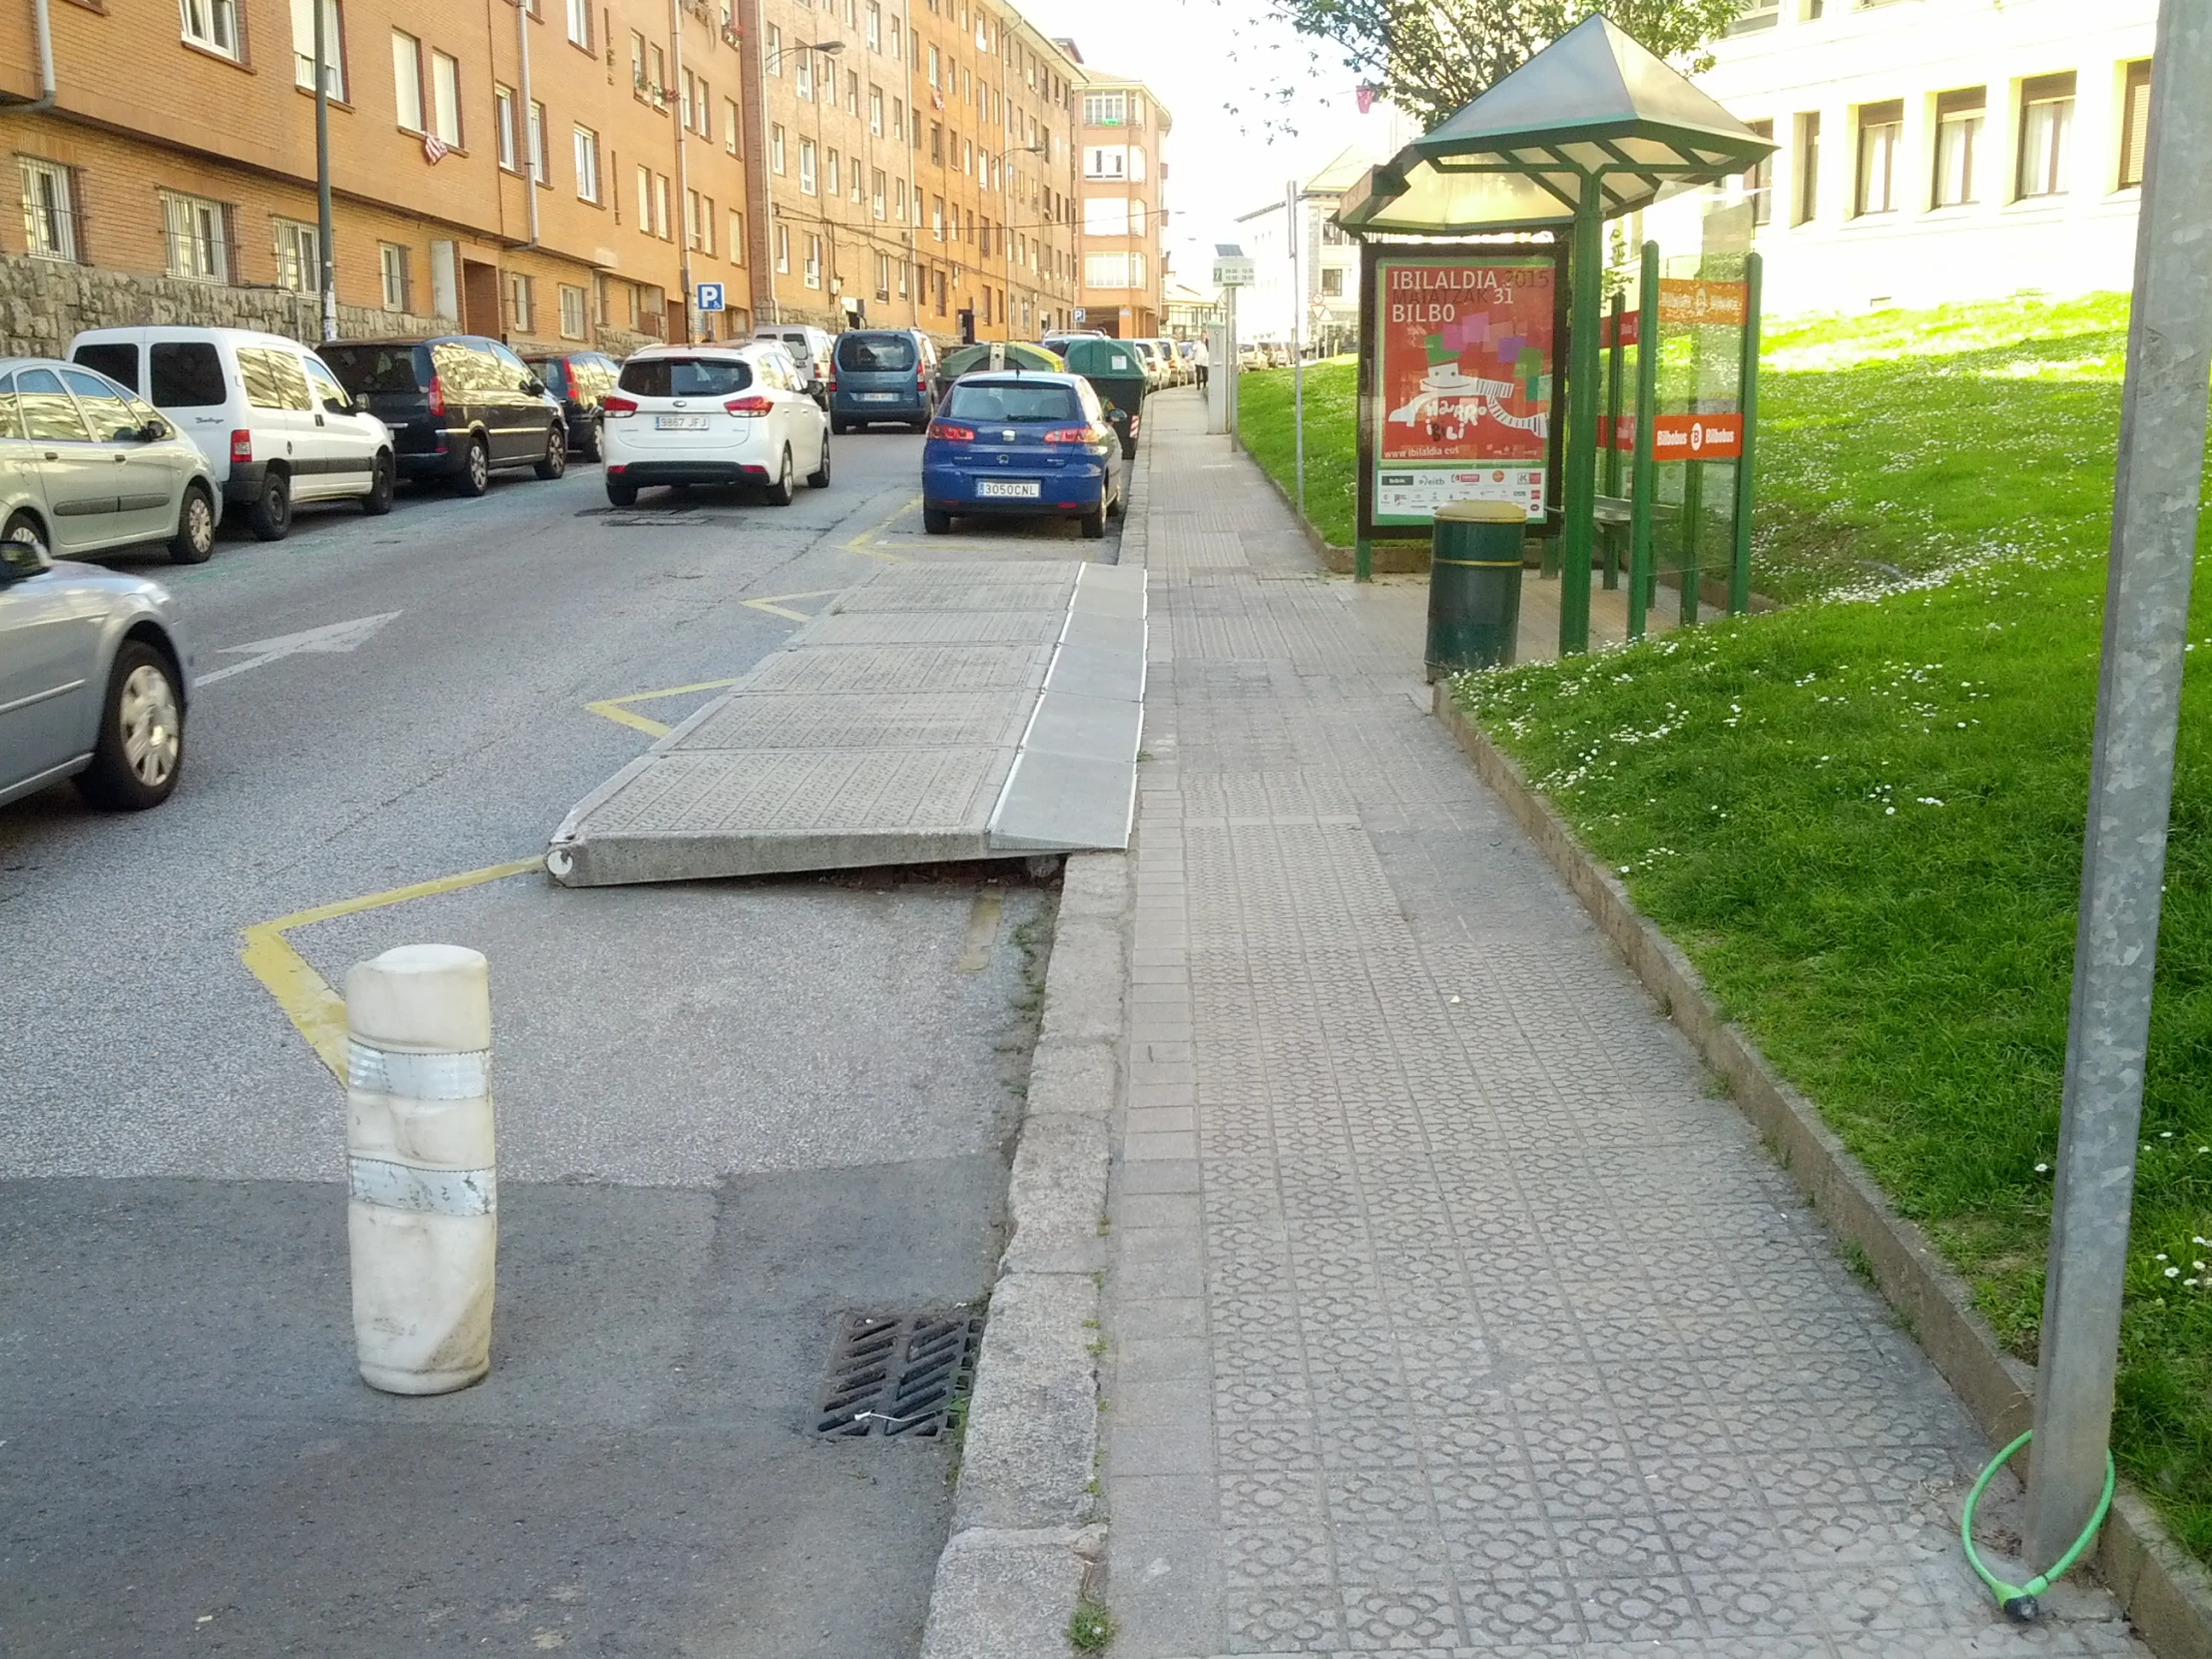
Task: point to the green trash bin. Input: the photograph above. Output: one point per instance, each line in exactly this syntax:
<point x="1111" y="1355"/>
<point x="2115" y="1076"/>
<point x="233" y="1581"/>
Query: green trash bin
<point x="1474" y="581"/>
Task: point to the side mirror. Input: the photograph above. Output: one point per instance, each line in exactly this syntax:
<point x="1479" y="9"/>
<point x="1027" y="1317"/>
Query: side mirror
<point x="533" y="385"/>
<point x="22" y="556"/>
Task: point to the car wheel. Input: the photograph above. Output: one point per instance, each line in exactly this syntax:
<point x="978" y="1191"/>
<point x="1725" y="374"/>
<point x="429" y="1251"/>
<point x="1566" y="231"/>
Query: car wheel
<point x="475" y="474"/>
<point x="935" y="522"/>
<point x="1094" y="523"/>
<point x="194" y="537"/>
<point x="622" y="494"/>
<point x="271" y="513"/>
<point x="839" y="427"/>
<point x="1120" y="503"/>
<point x="592" y="448"/>
<point x="142" y="734"/>
<point x="781" y="493"/>
<point x="818" y="479"/>
<point x="556" y="452"/>
<point x="383" y="482"/>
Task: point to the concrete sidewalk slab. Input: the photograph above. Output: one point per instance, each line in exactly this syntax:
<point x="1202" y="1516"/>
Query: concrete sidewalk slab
<point x="937" y="712"/>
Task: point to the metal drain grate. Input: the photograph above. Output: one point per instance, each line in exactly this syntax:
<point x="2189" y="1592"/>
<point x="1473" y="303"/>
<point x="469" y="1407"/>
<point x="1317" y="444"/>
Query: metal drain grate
<point x="898" y="1374"/>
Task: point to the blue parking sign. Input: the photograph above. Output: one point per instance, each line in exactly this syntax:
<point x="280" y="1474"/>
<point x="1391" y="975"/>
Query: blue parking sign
<point x="709" y="295"/>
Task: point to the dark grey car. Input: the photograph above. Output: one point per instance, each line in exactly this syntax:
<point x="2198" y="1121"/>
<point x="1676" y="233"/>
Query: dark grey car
<point x="460" y="406"/>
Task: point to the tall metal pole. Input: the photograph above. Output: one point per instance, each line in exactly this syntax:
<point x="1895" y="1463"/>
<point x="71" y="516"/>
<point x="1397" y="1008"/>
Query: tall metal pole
<point x="533" y="140"/>
<point x="1747" y="403"/>
<point x="683" y="163"/>
<point x="326" y="278"/>
<point x="1585" y="274"/>
<point x="1294" y="235"/>
<point x="2156" y="493"/>
<point x="1643" y="484"/>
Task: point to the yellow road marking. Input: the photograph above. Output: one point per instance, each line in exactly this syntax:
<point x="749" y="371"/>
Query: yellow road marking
<point x="611" y="708"/>
<point x="773" y="603"/>
<point x="860" y="543"/>
<point x="982" y="931"/>
<point x="316" y="1011"/>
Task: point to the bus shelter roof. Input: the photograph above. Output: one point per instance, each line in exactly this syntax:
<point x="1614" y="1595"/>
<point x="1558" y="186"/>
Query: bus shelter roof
<point x="1592" y="117"/>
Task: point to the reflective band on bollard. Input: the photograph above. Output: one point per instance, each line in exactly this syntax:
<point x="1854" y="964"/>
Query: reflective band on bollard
<point x="423" y="1188"/>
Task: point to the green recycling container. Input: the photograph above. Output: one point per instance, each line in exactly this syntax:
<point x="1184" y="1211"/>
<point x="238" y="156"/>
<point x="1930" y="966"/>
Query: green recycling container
<point x="1474" y="581"/>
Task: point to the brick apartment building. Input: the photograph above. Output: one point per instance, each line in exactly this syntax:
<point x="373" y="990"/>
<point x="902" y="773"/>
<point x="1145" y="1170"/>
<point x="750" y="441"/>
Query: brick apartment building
<point x="561" y="175"/>
<point x="170" y="169"/>
<point x="916" y="167"/>
<point x="1124" y="169"/>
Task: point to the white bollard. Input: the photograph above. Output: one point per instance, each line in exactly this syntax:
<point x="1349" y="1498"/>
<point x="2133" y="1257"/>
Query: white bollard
<point x="423" y="1213"/>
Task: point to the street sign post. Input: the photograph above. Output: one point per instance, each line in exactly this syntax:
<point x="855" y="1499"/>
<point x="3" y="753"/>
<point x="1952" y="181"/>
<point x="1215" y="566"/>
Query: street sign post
<point x="709" y="297"/>
<point x="1232" y="270"/>
<point x="2156" y="495"/>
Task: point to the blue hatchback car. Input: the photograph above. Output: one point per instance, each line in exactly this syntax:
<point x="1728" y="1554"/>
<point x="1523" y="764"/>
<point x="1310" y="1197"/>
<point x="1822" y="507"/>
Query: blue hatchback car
<point x="1020" y="444"/>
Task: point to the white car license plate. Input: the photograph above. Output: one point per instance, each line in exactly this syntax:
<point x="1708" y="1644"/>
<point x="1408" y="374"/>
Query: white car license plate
<point x="1021" y="488"/>
<point x="880" y="397"/>
<point x="678" y="423"/>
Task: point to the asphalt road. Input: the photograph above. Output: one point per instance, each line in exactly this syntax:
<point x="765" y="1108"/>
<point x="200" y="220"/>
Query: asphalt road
<point x="726" y="1113"/>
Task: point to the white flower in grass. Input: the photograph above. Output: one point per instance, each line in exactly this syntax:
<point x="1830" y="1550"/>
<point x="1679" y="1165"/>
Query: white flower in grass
<point x="2173" y="1273"/>
<point x="2042" y="1169"/>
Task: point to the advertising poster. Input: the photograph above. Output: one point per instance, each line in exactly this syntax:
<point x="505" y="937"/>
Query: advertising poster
<point x="1464" y="377"/>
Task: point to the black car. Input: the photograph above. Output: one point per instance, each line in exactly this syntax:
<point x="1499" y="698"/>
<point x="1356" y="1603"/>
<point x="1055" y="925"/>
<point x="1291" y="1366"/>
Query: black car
<point x="460" y="406"/>
<point x="580" y="380"/>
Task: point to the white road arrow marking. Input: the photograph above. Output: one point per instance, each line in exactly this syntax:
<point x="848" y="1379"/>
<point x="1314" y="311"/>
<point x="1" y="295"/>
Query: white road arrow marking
<point x="327" y="639"/>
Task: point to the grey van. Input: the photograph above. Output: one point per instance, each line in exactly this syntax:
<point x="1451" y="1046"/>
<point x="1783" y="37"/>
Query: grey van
<point x="883" y="375"/>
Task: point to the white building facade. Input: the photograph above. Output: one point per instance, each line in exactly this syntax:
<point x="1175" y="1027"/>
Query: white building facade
<point x="1327" y="286"/>
<point x="1935" y="150"/>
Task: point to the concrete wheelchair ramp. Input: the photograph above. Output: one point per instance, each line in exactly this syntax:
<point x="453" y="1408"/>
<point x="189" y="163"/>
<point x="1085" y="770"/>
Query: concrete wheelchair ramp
<point x="937" y="712"/>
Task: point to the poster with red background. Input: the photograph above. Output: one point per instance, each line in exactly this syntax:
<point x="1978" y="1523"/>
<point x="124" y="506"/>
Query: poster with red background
<point x="1464" y="375"/>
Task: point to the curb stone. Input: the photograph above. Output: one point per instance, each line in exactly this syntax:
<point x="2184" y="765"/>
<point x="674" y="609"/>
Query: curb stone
<point x="2166" y="1594"/>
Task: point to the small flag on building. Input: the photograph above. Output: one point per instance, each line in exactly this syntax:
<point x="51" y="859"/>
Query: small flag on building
<point x="1365" y="95"/>
<point x="434" y="149"/>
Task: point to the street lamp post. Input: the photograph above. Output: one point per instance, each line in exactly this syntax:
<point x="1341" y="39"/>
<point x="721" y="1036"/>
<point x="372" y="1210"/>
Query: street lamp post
<point x="1006" y="252"/>
<point x="769" y="61"/>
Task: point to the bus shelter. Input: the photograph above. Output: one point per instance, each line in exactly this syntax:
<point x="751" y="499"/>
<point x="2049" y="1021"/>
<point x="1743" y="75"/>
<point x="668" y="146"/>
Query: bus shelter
<point x="1461" y="235"/>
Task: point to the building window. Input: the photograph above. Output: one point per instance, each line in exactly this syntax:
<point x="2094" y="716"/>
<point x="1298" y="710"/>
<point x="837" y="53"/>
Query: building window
<point x="936" y="143"/>
<point x="814" y="262"/>
<point x="1105" y="271"/>
<point x="637" y="65"/>
<point x="1106" y="216"/>
<point x="213" y="24"/>
<point x="876" y="111"/>
<point x="407" y="78"/>
<point x="783" y="250"/>
<point x="736" y="236"/>
<point x="874" y="26"/>
<point x="644" y="200"/>
<point x="2134" y="123"/>
<point x="2047" y="126"/>
<point x="587" y="163"/>
<point x="1958" y="136"/>
<point x="1104" y="109"/>
<point x="1108" y="162"/>
<point x="579" y="23"/>
<point x="660" y="206"/>
<point x="730" y="125"/>
<point x="537" y="142"/>
<point x="503" y="124"/>
<point x="196" y="234"/>
<point x="1808" y="167"/>
<point x="802" y="77"/>
<point x="518" y="302"/>
<point x="49" y="216"/>
<point x="775" y="149"/>
<point x="572" y="313"/>
<point x="445" y="100"/>
<point x="937" y="216"/>
<point x="1880" y="128"/>
<point x="298" y="257"/>
<point x="775" y="54"/>
<point x="806" y="167"/>
<point x="392" y="263"/>
<point x="875" y="193"/>
<point x="836" y="189"/>
<point x="333" y="47"/>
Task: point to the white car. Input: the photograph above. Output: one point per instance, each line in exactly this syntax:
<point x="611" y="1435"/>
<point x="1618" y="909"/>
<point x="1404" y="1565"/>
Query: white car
<point x="276" y="425"/>
<point x="713" y="414"/>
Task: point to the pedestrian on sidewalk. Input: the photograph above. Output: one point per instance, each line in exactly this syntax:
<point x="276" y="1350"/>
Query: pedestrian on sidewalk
<point x="1202" y="357"/>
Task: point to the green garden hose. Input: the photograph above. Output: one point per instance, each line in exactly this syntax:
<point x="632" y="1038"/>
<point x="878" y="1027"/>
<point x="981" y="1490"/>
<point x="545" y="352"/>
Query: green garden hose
<point x="2019" y="1600"/>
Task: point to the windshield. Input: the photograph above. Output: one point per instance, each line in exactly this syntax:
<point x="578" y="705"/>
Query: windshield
<point x="998" y="400"/>
<point x="368" y="369"/>
<point x="685" y="376"/>
<point x="876" y="353"/>
<point x="553" y="371"/>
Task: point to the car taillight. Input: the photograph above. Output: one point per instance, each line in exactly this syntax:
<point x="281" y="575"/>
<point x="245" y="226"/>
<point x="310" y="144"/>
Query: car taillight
<point x="951" y="433"/>
<point x="748" y="406"/>
<point x="438" y="396"/>
<point x="1070" y="435"/>
<point x="616" y="404"/>
<point x="242" y="445"/>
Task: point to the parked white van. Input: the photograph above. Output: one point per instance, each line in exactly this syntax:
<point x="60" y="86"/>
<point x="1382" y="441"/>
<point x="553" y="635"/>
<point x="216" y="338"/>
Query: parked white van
<point x="273" y="420"/>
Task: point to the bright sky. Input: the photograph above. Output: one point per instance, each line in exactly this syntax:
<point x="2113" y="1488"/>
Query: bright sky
<point x="1206" y="59"/>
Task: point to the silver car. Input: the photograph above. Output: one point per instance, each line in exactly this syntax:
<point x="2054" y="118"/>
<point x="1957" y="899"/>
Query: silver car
<point x="86" y="466"/>
<point x="95" y="673"/>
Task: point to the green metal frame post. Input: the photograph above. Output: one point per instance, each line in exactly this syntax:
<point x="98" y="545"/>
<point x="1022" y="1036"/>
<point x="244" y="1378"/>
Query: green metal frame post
<point x="1587" y="272"/>
<point x="1610" y="448"/>
<point x="1747" y="399"/>
<point x="1693" y="520"/>
<point x="1645" y="483"/>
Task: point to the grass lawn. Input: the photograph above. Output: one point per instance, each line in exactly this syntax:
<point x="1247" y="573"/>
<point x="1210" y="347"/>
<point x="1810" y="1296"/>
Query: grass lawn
<point x="1862" y="815"/>
<point x="1265" y="428"/>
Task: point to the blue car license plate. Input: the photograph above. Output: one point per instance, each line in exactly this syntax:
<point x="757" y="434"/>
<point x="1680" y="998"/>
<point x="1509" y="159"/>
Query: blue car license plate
<point x="1020" y="489"/>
